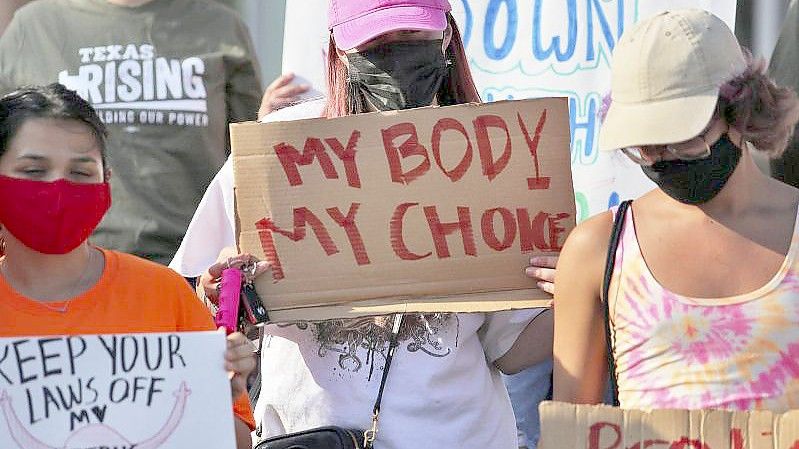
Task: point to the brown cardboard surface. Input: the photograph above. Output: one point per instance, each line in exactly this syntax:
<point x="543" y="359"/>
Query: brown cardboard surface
<point x="570" y="426"/>
<point x="353" y="233"/>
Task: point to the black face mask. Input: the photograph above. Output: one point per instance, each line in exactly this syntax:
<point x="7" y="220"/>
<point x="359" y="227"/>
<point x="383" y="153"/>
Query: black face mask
<point x="396" y="75"/>
<point x="699" y="181"/>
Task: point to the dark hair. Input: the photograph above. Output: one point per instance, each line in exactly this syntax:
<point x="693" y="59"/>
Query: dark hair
<point x="53" y="101"/>
<point x="762" y="111"/>
<point x="458" y="86"/>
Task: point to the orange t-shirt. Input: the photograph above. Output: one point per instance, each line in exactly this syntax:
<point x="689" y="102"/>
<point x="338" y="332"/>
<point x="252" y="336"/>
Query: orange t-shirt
<point x="132" y="296"/>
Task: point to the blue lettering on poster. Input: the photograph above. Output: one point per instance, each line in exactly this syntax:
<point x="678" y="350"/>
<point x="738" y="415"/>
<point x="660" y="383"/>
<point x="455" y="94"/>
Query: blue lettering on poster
<point x="467" y="23"/>
<point x="542" y="54"/>
<point x="492" y="14"/>
<point x="583" y="115"/>
<point x="587" y="35"/>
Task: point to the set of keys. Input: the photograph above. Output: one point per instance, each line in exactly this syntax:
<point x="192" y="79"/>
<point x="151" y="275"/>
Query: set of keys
<point x="239" y="303"/>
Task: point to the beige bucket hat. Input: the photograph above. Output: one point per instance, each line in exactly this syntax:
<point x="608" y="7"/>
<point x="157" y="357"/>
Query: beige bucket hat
<point x="665" y="78"/>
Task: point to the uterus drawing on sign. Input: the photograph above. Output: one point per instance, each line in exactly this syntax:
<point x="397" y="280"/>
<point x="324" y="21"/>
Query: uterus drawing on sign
<point x="95" y="435"/>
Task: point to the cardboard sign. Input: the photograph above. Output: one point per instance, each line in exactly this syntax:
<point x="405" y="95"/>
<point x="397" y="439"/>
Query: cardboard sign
<point x="426" y="210"/>
<point x="570" y="426"/>
<point x="143" y="391"/>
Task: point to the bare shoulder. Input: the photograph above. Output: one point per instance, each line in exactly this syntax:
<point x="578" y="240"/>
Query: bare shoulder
<point x="582" y="260"/>
<point x="591" y="237"/>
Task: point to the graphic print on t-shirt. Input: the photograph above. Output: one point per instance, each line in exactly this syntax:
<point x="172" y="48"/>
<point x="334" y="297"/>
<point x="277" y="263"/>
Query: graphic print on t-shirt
<point x="129" y="84"/>
<point x="361" y="342"/>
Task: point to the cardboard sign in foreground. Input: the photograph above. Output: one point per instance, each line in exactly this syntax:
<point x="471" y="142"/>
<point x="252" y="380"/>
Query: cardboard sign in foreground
<point x="148" y="391"/>
<point x="570" y="426"/>
<point x="427" y="210"/>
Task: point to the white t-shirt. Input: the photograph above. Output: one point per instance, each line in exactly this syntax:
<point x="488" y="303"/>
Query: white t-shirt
<point x="442" y="391"/>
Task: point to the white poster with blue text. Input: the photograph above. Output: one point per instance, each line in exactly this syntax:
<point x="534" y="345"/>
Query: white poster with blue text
<point x="526" y="49"/>
<point x="142" y="391"/>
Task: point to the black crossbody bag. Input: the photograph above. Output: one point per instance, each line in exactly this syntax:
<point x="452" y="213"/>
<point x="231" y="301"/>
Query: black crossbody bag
<point x="333" y="437"/>
<point x="615" y="236"/>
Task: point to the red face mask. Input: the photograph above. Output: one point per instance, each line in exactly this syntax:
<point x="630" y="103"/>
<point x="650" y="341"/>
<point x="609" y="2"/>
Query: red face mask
<point x="52" y="217"/>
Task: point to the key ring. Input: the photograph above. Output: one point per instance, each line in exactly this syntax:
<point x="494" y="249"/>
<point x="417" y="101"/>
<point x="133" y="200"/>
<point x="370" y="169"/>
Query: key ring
<point x="249" y="268"/>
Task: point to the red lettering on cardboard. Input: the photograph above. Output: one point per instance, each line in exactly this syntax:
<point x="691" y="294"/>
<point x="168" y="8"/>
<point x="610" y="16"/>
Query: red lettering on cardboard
<point x="351" y="228"/>
<point x="441" y="230"/>
<point x="264" y="228"/>
<point x="556" y="231"/>
<point x="446" y="124"/>
<point x="397" y="239"/>
<point x="737" y="440"/>
<point x="491" y="168"/>
<point x="686" y="443"/>
<point x="531" y="232"/>
<point x="302" y="217"/>
<point x="290" y="158"/>
<point x="539" y="182"/>
<point x="347" y="156"/>
<point x="410" y="147"/>
<point x="649" y="443"/>
<point x="490" y="234"/>
<point x="595" y="434"/>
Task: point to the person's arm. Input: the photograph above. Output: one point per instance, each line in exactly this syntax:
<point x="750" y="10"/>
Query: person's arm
<point x="512" y="340"/>
<point x="239" y="357"/>
<point x="533" y="346"/>
<point x="243" y="438"/>
<point x="580" y="369"/>
<point x="239" y="362"/>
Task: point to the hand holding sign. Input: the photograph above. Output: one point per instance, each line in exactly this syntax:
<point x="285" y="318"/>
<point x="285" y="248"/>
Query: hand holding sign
<point x="542" y="269"/>
<point x="239" y="361"/>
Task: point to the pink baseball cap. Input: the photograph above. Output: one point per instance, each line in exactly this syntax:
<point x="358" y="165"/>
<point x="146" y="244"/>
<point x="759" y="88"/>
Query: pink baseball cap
<point x="354" y="22"/>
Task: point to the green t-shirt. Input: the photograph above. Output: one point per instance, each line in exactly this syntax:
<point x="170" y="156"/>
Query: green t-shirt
<point x="166" y="77"/>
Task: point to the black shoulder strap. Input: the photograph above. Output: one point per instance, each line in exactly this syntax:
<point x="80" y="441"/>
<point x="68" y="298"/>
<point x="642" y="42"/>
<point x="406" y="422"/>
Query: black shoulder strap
<point x="255" y="388"/>
<point x="618" y="226"/>
<point x="371" y="434"/>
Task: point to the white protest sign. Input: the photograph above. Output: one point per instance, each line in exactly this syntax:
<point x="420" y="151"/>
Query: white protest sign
<point x="528" y="49"/>
<point x="143" y="391"/>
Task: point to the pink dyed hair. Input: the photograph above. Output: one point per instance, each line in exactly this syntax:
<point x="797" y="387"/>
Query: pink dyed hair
<point x="765" y="113"/>
<point x="458" y="86"/>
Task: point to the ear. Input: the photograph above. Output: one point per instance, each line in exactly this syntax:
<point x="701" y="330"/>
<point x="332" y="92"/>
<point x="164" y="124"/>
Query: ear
<point x="447" y="39"/>
<point x="107" y="175"/>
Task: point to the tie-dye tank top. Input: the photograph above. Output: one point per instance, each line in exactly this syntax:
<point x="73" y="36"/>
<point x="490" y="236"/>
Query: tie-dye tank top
<point x="673" y="351"/>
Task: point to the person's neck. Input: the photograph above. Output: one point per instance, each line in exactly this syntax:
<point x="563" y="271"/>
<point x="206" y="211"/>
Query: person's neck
<point x="743" y="191"/>
<point x="47" y="277"/>
<point x="129" y="3"/>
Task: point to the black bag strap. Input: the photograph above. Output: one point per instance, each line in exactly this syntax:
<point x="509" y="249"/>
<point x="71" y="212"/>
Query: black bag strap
<point x="255" y="388"/>
<point x="615" y="236"/>
<point x="370" y="435"/>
